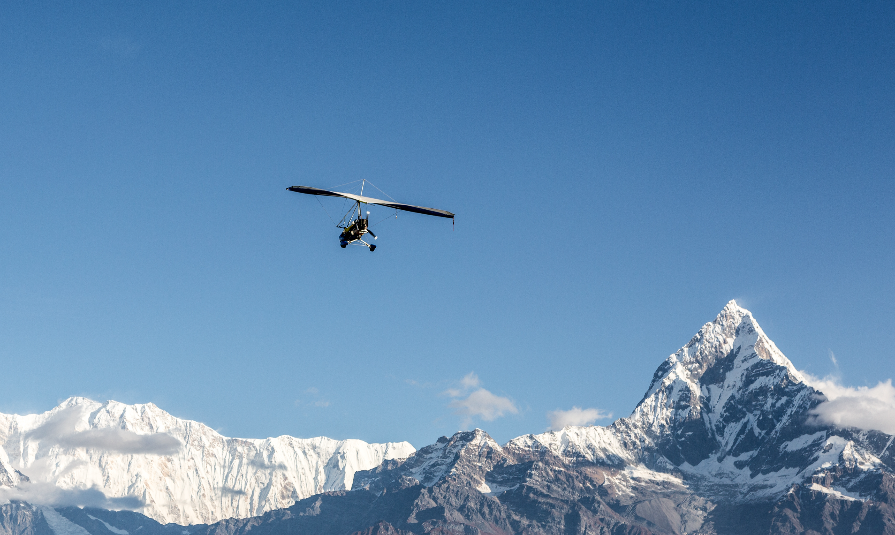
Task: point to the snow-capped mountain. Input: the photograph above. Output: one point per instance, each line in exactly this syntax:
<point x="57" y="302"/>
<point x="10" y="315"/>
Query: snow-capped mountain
<point x="732" y="414"/>
<point x="723" y="441"/>
<point x="139" y="457"/>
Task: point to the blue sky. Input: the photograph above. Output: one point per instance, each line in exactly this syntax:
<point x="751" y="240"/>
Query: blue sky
<point x="619" y="172"/>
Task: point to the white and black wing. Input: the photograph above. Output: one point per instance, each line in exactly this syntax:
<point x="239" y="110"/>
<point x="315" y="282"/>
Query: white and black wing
<point x="369" y="200"/>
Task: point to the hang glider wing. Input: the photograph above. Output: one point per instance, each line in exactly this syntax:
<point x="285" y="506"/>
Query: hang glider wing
<point x="369" y="200"/>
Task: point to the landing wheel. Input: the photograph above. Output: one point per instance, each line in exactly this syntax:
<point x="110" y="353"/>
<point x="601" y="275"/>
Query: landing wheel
<point x="343" y="245"/>
<point x="372" y="248"/>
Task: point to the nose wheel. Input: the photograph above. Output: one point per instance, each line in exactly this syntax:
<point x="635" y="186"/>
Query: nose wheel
<point x="372" y="248"/>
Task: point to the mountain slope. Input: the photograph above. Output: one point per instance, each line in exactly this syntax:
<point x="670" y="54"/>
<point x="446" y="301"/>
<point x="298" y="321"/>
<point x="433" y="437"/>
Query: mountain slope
<point x="173" y="470"/>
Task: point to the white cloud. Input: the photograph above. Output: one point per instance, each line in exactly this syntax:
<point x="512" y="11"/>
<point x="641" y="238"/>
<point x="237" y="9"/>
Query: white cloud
<point x="60" y="429"/>
<point x="862" y="407"/>
<point x="484" y="404"/>
<point x="228" y="491"/>
<point x="264" y="465"/>
<point x="478" y="403"/>
<point x="575" y="416"/>
<point x="471" y="380"/>
<point x="45" y="493"/>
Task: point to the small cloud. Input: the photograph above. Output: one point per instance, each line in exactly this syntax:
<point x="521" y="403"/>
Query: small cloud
<point x="60" y="429"/>
<point x="45" y="493"/>
<point x="264" y="465"/>
<point x="122" y="441"/>
<point x="312" y="392"/>
<point x="60" y="424"/>
<point x="833" y="358"/>
<point x="227" y="491"/>
<point x="419" y="384"/>
<point x="575" y="416"/>
<point x="320" y="403"/>
<point x="478" y="403"/>
<point x="471" y="380"/>
<point x="484" y="404"/>
<point x="862" y="407"/>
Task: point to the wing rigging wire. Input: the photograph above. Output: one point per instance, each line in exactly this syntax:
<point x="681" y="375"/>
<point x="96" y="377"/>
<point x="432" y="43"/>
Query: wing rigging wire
<point x="382" y="192"/>
<point x="351" y="209"/>
<point x="390" y="197"/>
<point x="389" y="217"/>
<point x="325" y="212"/>
<point x="346" y="216"/>
<point x="346" y="183"/>
<point x="344" y="200"/>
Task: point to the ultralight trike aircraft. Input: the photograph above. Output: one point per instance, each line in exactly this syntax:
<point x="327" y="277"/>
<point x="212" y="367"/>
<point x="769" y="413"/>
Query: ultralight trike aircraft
<point x="353" y="224"/>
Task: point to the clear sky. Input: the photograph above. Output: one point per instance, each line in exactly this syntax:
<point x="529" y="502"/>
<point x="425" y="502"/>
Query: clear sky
<point x="619" y="171"/>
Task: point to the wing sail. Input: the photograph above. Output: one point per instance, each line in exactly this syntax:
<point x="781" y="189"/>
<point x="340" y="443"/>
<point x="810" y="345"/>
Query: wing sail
<point x="314" y="191"/>
<point x="369" y="200"/>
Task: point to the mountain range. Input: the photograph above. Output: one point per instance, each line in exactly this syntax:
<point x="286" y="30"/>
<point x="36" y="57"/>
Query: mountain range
<point x="726" y="439"/>
<point x="118" y="456"/>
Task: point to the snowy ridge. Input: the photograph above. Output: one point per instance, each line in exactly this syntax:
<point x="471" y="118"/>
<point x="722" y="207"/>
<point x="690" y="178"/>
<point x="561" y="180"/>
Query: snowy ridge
<point x="465" y="457"/>
<point x="61" y="525"/>
<point x="721" y="475"/>
<point x="593" y="444"/>
<point x="437" y="461"/>
<point x="179" y="470"/>
<point x="8" y="475"/>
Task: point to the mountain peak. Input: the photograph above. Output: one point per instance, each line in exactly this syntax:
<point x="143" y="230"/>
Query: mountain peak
<point x="733" y="305"/>
<point x="733" y="330"/>
<point x="76" y="401"/>
<point x="703" y="374"/>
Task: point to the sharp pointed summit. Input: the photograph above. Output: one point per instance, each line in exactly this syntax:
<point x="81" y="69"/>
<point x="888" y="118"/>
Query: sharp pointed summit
<point x="732" y="333"/>
<point x="733" y="330"/>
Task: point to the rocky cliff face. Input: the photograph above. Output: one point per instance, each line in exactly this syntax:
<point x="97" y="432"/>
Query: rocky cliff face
<point x="140" y="457"/>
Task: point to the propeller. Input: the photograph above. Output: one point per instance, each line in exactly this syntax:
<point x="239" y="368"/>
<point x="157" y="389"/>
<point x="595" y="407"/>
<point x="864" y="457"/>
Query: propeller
<point x="368" y="225"/>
